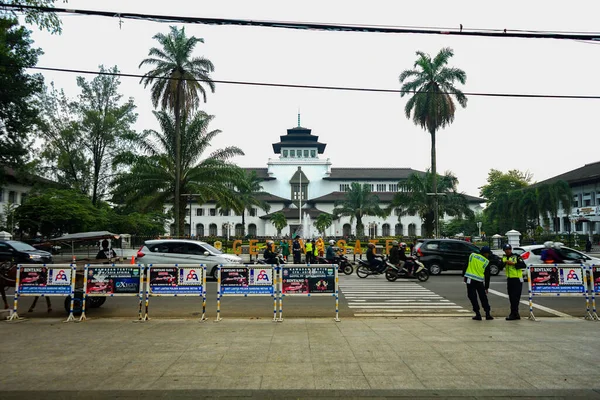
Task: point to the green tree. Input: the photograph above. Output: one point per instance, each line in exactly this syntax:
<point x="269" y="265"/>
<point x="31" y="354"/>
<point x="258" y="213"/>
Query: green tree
<point x="279" y="221"/>
<point x="431" y="84"/>
<point x="44" y="20"/>
<point x="152" y="176"/>
<point x="177" y="80"/>
<point x="248" y="193"/>
<point x="324" y="221"/>
<point x="415" y="199"/>
<point x="18" y="114"/>
<point x="358" y="202"/>
<point x="499" y="182"/>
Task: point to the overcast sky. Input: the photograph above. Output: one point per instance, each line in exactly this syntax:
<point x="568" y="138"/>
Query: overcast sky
<point x="544" y="136"/>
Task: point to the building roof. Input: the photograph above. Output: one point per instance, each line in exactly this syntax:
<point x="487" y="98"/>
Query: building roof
<point x="587" y="173"/>
<point x="292" y="213"/>
<point x="384" y="197"/>
<point x="348" y="174"/>
<point x="262" y="173"/>
<point x="25" y="178"/>
<point x="299" y="137"/>
<point x="299" y="177"/>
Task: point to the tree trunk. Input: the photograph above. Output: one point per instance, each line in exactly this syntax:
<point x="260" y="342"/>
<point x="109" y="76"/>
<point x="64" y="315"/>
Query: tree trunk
<point x="243" y="222"/>
<point x="177" y="210"/>
<point x="434" y="182"/>
<point x="360" y="229"/>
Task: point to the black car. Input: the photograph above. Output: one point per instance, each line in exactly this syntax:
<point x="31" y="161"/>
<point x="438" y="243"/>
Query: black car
<point x="450" y="255"/>
<point x="22" y="253"/>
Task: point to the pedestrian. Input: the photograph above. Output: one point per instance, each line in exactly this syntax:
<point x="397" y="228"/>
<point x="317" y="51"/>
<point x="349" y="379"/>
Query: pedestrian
<point x="513" y="266"/>
<point x="588" y="245"/>
<point x="308" y="247"/>
<point x="477" y="277"/>
<point x="297" y="250"/>
<point x="315" y="251"/>
<point x="285" y="249"/>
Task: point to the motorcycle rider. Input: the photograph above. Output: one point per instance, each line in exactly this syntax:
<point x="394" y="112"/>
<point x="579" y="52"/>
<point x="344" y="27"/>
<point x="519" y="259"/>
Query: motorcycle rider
<point x="270" y="255"/>
<point x="375" y="261"/>
<point x="397" y="256"/>
<point x="408" y="266"/>
<point x="330" y="253"/>
<point x="550" y="254"/>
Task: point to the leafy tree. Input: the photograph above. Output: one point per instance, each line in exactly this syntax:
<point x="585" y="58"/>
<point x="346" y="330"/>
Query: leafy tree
<point x="415" y="198"/>
<point x="152" y="176"/>
<point x="323" y="222"/>
<point x="177" y="80"/>
<point x="248" y="192"/>
<point x="17" y="89"/>
<point x="279" y="221"/>
<point x="499" y="182"/>
<point x="431" y="105"/>
<point x="358" y="202"/>
<point x="44" y="20"/>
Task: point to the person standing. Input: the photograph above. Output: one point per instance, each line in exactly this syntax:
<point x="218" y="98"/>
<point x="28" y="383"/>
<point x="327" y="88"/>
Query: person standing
<point x="285" y="249"/>
<point x="477" y="277"/>
<point x="513" y="266"/>
<point x="297" y="250"/>
<point x="309" y="251"/>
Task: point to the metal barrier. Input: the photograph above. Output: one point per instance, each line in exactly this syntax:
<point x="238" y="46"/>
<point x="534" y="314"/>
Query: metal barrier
<point x="176" y="280"/>
<point x="247" y="280"/>
<point x="594" y="271"/>
<point x="558" y="281"/>
<point x="44" y="280"/>
<point x="309" y="280"/>
<point x="100" y="282"/>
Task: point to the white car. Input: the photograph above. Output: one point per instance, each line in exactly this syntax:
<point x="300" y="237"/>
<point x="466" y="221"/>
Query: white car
<point x="184" y="251"/>
<point x="532" y="255"/>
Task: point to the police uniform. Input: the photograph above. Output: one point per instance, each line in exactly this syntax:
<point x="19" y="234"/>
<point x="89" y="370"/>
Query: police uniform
<point x="477" y="277"/>
<point x="514" y="283"/>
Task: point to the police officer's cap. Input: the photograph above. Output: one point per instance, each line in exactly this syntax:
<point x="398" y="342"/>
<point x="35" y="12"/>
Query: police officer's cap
<point x="507" y="247"/>
<point x="485" y="249"/>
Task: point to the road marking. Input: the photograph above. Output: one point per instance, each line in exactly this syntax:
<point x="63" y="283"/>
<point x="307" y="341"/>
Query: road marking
<point x="546" y="309"/>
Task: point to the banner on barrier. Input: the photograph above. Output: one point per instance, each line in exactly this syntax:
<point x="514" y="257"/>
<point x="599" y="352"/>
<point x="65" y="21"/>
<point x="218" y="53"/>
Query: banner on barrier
<point x="247" y="281"/>
<point x="175" y="280"/>
<point x="113" y="281"/>
<point x="45" y="280"/>
<point x="557" y="279"/>
<point x="596" y="278"/>
<point x="308" y="280"/>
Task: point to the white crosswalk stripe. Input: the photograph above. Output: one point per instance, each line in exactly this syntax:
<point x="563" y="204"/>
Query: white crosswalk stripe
<point x="375" y="296"/>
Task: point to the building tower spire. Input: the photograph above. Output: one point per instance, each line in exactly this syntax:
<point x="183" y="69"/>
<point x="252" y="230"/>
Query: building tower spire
<point x="298" y="117"/>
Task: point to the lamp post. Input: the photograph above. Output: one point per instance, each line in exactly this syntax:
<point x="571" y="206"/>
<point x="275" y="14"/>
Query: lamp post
<point x="479" y="227"/>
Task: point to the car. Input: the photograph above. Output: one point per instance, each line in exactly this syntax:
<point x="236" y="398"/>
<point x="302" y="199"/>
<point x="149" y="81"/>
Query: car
<point x="450" y="255"/>
<point x="184" y="251"/>
<point x="533" y="255"/>
<point x="23" y="253"/>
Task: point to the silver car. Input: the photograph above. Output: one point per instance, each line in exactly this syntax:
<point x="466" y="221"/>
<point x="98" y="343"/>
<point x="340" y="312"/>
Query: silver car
<point x="184" y="251"/>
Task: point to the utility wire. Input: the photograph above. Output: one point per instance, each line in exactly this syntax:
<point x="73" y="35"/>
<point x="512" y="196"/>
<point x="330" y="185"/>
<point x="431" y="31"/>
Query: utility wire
<point x="340" y="88"/>
<point x="313" y="25"/>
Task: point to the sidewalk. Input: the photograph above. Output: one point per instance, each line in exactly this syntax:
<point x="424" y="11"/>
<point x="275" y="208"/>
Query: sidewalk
<point x="300" y="358"/>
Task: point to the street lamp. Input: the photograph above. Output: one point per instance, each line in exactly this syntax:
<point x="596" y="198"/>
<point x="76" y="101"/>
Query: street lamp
<point x="479" y="227"/>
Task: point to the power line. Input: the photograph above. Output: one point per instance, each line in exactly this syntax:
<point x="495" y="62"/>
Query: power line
<point x="320" y="87"/>
<point x="512" y="33"/>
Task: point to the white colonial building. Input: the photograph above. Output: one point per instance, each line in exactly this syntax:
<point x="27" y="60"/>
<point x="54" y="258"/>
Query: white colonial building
<point x="298" y="176"/>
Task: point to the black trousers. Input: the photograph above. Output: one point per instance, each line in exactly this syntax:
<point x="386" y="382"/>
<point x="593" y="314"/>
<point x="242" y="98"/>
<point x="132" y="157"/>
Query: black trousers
<point x="474" y="289"/>
<point x="297" y="258"/>
<point x="514" y="286"/>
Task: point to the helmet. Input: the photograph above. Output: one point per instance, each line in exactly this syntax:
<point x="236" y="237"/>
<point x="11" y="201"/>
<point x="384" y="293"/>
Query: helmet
<point x="395" y="243"/>
<point x="558" y="245"/>
<point x="548" y="244"/>
<point x="402" y="244"/>
<point x="371" y="245"/>
<point x="270" y="243"/>
<point x="507" y="247"/>
<point x="485" y="249"/>
<point x="332" y="242"/>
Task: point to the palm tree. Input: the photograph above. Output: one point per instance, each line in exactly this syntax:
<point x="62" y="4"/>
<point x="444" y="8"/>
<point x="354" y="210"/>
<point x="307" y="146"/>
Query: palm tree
<point x="152" y="177"/>
<point x="177" y="80"/>
<point x="415" y="199"/>
<point x="357" y="203"/>
<point x="431" y="105"/>
<point x="279" y="221"/>
<point x="324" y="221"/>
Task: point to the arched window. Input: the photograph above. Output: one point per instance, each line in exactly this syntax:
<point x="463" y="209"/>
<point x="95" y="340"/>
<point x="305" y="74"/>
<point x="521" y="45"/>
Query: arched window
<point x="412" y="230"/>
<point x="399" y="230"/>
<point x="200" y="230"/>
<point x="252" y="230"/>
<point x="212" y="230"/>
<point x="385" y="230"/>
<point x="239" y="230"/>
<point x="347" y="230"/>
<point x="186" y="229"/>
<point x="423" y="230"/>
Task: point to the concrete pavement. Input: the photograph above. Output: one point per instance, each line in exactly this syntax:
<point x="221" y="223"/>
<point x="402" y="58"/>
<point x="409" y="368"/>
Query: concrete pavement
<point x="300" y="358"/>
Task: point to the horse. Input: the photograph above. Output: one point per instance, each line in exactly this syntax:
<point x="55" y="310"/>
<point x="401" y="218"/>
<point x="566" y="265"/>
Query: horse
<point x="8" y="278"/>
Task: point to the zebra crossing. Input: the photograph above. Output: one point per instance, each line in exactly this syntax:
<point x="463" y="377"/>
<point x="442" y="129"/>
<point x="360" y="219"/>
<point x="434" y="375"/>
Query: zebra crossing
<point x="376" y="297"/>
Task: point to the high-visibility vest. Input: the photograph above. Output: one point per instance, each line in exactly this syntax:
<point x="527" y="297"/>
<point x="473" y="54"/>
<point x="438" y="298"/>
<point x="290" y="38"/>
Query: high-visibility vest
<point x="308" y="247"/>
<point x="476" y="267"/>
<point x="510" y="270"/>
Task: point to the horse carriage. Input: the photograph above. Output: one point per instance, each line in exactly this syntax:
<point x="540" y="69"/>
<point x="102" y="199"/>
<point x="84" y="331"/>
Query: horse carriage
<point x="8" y="271"/>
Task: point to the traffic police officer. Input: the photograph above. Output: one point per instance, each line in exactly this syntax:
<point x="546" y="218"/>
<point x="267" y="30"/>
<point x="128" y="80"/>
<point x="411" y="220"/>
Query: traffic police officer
<point x="477" y="277"/>
<point x="513" y="265"/>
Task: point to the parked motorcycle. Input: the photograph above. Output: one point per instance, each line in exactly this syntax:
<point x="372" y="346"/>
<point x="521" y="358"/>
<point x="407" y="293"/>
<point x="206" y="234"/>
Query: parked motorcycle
<point x="394" y="272"/>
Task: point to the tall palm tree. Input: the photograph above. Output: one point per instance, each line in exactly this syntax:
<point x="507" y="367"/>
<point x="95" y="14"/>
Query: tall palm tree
<point x="415" y="199"/>
<point x="358" y="202"/>
<point x="279" y="221"/>
<point x="152" y="176"/>
<point x="324" y="221"/>
<point x="432" y="86"/>
<point x="177" y="81"/>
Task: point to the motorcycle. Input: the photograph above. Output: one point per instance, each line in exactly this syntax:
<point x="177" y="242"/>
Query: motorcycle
<point x="364" y="269"/>
<point x="344" y="265"/>
<point x="394" y="272"/>
<point x="279" y="258"/>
